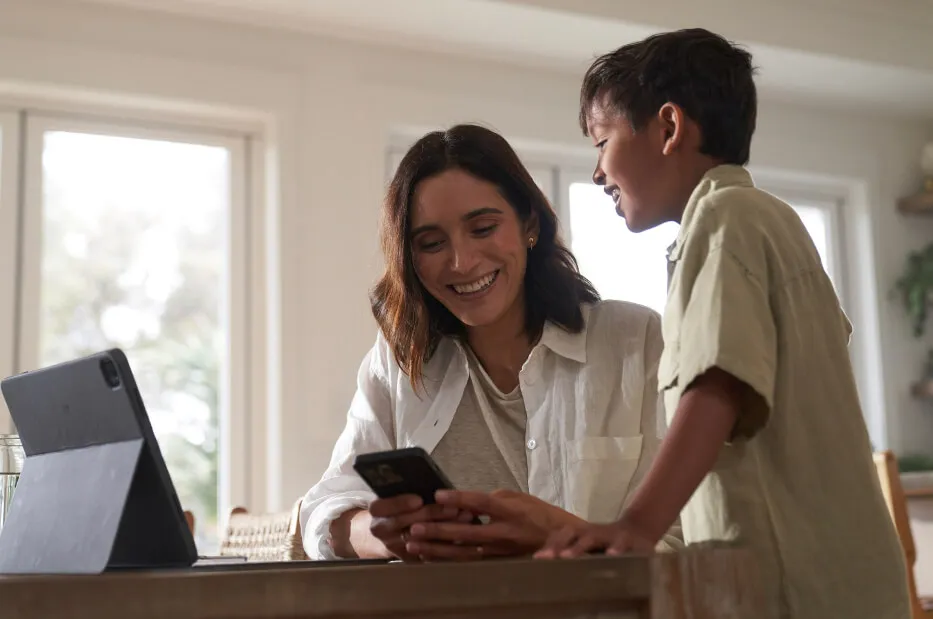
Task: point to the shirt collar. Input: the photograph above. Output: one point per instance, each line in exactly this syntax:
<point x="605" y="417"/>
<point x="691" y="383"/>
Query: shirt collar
<point x="715" y="179"/>
<point x="563" y="342"/>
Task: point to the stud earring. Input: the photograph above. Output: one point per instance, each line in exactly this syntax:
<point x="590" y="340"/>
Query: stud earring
<point x="531" y="242"/>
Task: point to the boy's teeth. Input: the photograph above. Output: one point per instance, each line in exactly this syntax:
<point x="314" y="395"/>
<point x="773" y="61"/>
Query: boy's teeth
<point x="477" y="285"/>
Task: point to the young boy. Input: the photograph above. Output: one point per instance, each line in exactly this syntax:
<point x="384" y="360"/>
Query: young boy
<point x="766" y="443"/>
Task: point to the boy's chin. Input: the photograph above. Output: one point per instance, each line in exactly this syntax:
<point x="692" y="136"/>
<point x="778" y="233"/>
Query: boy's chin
<point x="638" y="221"/>
<point x="638" y="224"/>
<point x="632" y="221"/>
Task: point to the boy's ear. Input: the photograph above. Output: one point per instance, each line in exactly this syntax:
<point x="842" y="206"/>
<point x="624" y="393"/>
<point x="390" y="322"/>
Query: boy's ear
<point x="673" y="123"/>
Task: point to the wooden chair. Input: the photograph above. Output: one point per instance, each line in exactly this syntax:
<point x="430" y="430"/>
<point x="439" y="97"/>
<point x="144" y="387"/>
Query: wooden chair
<point x="890" y="477"/>
<point x="263" y="537"/>
<point x="189" y="518"/>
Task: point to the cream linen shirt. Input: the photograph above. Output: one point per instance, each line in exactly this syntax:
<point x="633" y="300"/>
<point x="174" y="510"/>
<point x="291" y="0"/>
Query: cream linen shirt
<point x="797" y="483"/>
<point x="591" y="433"/>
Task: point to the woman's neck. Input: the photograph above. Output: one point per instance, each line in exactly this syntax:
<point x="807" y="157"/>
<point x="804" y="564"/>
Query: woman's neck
<point x="502" y="347"/>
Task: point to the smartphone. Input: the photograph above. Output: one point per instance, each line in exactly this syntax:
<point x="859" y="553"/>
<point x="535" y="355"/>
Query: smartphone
<point x="402" y="471"/>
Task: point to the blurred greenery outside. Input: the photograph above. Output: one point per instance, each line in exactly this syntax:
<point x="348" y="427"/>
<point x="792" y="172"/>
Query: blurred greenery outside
<point x="135" y="256"/>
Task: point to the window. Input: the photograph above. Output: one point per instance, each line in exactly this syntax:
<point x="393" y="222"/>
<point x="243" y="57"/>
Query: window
<point x="820" y="216"/>
<point x="621" y="264"/>
<point x="136" y="239"/>
<point x="633" y="267"/>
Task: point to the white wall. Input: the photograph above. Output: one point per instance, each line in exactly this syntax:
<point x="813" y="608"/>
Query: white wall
<point x="333" y="107"/>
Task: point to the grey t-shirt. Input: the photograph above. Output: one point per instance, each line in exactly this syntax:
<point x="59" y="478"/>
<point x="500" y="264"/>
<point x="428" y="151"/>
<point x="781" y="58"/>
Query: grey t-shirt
<point x="484" y="448"/>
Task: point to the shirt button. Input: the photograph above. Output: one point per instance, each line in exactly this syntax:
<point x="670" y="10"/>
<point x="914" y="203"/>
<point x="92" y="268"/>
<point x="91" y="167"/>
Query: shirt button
<point x="532" y="443"/>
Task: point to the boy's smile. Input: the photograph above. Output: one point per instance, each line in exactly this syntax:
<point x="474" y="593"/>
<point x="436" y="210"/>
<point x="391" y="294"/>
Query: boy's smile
<point x="629" y="167"/>
<point x="613" y="192"/>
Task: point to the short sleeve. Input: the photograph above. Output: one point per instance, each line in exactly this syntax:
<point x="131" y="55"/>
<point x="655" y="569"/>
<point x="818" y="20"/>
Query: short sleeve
<point x="728" y="324"/>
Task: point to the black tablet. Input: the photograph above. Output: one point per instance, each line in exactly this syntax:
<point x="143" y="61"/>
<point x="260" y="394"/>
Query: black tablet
<point x="95" y="493"/>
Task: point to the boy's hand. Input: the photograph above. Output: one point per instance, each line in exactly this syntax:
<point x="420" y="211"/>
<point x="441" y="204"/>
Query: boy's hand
<point x="613" y="539"/>
<point x="706" y="416"/>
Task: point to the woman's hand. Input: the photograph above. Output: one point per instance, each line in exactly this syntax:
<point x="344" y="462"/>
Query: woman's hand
<point x="391" y="519"/>
<point x="519" y="524"/>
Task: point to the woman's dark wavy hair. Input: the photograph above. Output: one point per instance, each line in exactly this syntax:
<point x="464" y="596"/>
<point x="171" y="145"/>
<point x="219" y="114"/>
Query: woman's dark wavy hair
<point x="412" y="320"/>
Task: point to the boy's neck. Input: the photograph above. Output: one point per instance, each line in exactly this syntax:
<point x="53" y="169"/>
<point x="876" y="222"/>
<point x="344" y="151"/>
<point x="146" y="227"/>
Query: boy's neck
<point x="693" y="173"/>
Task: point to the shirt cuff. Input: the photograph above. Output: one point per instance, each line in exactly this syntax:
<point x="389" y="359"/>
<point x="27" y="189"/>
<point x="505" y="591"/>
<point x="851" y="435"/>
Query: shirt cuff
<point x="316" y="537"/>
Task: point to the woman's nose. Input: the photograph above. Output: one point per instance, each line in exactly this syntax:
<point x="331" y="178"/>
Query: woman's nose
<point x="463" y="257"/>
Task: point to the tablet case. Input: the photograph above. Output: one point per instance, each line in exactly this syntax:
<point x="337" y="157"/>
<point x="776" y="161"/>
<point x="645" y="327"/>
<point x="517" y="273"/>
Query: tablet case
<point x="94" y="493"/>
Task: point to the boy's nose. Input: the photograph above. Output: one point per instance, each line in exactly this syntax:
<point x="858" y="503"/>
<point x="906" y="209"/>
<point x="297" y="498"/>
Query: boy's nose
<point x="599" y="177"/>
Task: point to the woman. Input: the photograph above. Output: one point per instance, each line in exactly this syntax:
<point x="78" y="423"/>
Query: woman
<point x="494" y="355"/>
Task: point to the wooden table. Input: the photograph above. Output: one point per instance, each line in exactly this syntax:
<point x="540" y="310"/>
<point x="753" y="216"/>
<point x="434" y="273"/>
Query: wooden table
<point x="710" y="583"/>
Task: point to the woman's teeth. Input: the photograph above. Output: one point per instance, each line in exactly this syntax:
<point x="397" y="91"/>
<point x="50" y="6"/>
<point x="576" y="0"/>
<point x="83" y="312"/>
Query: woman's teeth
<point x="477" y="286"/>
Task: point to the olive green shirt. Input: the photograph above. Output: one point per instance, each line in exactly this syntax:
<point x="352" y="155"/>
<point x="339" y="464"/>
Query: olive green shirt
<point x="796" y="483"/>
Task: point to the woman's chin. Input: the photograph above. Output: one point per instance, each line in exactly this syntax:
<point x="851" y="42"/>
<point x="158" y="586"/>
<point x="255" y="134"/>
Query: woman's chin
<point x="477" y="318"/>
<point x="478" y="315"/>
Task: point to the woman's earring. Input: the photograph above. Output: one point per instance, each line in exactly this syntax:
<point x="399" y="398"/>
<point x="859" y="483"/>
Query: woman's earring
<point x="531" y="242"/>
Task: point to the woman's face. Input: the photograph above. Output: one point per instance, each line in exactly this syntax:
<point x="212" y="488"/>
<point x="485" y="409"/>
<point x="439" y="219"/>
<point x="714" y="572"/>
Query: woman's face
<point x="469" y="248"/>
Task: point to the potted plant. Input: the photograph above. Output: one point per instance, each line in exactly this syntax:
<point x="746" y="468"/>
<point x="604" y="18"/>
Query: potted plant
<point x="916" y="470"/>
<point x="915" y="288"/>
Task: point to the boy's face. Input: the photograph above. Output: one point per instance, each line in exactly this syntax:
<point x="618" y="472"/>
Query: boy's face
<point x="633" y="167"/>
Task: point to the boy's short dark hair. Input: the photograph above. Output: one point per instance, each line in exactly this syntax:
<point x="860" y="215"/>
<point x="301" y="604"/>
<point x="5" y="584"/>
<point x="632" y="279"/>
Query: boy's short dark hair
<point x="703" y="73"/>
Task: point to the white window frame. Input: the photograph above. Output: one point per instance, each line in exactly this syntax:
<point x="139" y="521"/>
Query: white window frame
<point x="568" y="166"/>
<point x="241" y="450"/>
<point x="831" y="203"/>
<point x="10" y="148"/>
<point x="826" y="199"/>
<point x="839" y="198"/>
<point x="567" y="176"/>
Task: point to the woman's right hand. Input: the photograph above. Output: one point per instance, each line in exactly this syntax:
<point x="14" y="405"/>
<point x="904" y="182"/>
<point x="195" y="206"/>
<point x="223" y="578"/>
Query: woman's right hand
<point x="391" y="518"/>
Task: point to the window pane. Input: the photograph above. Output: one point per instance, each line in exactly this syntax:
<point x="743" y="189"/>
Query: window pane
<point x="621" y="264"/>
<point x="816" y="221"/>
<point x="135" y="256"/>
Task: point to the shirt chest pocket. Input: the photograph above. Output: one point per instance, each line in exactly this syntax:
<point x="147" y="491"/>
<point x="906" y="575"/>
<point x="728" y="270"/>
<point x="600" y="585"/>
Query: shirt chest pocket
<point x="601" y="470"/>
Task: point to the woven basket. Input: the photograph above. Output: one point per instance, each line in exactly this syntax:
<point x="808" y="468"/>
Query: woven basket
<point x="264" y="537"/>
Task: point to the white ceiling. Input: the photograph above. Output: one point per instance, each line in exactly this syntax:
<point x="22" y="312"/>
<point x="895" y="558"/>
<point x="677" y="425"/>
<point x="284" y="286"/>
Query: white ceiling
<point x="864" y="54"/>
